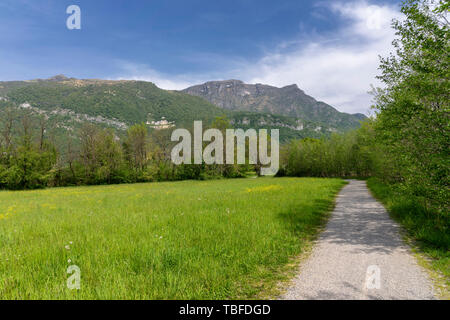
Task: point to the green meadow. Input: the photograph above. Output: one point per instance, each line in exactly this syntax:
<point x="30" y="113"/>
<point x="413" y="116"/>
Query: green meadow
<point x="223" y="239"/>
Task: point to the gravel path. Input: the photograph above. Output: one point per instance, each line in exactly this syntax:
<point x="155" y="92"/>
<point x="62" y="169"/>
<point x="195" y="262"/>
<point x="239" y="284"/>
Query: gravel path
<point x="359" y="243"/>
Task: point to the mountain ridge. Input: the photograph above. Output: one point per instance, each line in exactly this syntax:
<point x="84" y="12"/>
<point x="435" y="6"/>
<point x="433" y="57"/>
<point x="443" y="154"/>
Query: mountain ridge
<point x="68" y="102"/>
<point x="288" y="101"/>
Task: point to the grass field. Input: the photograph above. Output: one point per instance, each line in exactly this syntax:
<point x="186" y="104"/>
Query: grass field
<point x="174" y="240"/>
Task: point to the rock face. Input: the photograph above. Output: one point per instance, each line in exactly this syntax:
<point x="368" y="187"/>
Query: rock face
<point x="288" y="101"/>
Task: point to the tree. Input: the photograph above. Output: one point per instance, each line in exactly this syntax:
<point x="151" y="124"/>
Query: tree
<point x="136" y="146"/>
<point x="109" y="156"/>
<point x="101" y="155"/>
<point x="88" y="136"/>
<point x="29" y="164"/>
<point x="413" y="109"/>
<point x="7" y="127"/>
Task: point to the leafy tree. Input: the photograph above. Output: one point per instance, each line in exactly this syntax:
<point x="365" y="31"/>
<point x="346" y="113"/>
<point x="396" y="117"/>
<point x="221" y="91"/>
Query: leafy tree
<point x="136" y="145"/>
<point x="413" y="109"/>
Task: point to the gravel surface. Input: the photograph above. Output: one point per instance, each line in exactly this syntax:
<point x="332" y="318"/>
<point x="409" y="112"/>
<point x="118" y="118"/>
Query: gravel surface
<point x="359" y="243"/>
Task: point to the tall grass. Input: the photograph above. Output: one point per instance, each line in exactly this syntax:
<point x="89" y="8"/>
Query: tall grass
<point x="429" y="230"/>
<point x="172" y="240"/>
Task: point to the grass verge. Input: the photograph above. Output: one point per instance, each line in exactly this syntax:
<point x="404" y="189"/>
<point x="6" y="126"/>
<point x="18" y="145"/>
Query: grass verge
<point x="427" y="233"/>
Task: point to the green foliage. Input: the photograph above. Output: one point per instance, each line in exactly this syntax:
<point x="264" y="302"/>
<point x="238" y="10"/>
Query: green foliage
<point x="290" y="128"/>
<point x="135" y="146"/>
<point x="128" y="101"/>
<point x="24" y="163"/>
<point x="431" y="230"/>
<point x="29" y="161"/>
<point x="346" y="155"/>
<point x="413" y="111"/>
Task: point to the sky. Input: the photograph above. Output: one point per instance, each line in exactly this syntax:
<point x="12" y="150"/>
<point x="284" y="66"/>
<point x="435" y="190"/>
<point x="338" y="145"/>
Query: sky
<point x="329" y="48"/>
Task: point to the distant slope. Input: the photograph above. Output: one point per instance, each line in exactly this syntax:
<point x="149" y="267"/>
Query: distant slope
<point x="68" y="103"/>
<point x="126" y="101"/>
<point x="288" y="101"/>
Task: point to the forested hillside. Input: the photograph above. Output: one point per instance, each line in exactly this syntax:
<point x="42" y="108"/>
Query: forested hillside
<point x="130" y="102"/>
<point x="67" y="103"/>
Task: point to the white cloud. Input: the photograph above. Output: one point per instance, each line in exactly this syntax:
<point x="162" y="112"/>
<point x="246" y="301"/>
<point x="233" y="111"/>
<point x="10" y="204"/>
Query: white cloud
<point x="337" y="67"/>
<point x="338" y="72"/>
<point x="141" y="72"/>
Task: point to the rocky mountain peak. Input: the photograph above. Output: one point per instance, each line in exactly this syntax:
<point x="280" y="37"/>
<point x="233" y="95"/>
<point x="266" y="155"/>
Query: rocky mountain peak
<point x="288" y="101"/>
<point x="292" y="86"/>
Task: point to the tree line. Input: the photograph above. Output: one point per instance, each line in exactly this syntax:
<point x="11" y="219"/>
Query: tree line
<point x="29" y="159"/>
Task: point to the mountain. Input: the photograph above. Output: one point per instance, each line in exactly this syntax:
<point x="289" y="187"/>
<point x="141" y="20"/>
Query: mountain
<point x="68" y="103"/>
<point x="128" y="102"/>
<point x="288" y="101"/>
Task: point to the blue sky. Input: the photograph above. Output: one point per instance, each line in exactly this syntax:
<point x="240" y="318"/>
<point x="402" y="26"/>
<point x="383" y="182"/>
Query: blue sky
<point x="328" y="48"/>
